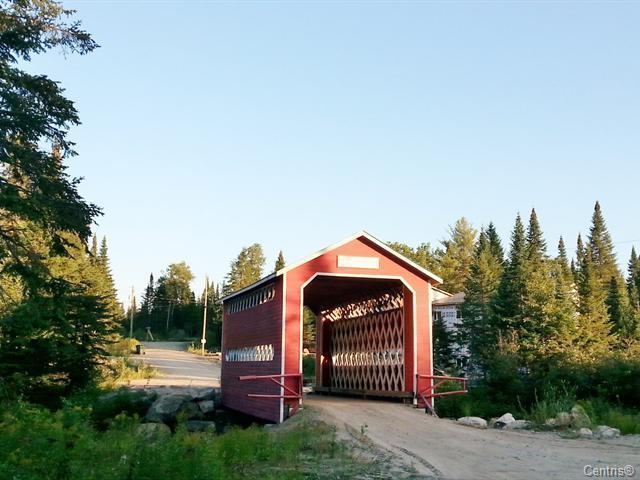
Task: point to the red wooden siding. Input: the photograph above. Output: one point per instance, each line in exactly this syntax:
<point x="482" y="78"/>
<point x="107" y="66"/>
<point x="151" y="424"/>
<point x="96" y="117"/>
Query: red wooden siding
<point x="260" y="325"/>
<point x="389" y="267"/>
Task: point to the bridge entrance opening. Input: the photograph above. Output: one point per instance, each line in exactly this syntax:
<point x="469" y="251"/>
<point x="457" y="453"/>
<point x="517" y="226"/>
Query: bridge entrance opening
<point x="362" y="327"/>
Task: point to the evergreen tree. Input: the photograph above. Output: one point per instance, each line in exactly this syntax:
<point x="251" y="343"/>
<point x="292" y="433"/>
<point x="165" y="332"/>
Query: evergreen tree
<point x="495" y="244"/>
<point x="148" y="298"/>
<point x="563" y="262"/>
<point x="443" y="340"/>
<point x="600" y="246"/>
<point x="615" y="307"/>
<point x="35" y="189"/>
<point x="477" y="331"/>
<point x="280" y="263"/>
<point x="455" y="261"/>
<point x="633" y="279"/>
<point x="245" y="269"/>
<point x="536" y="246"/>
<point x="105" y="286"/>
<point x="593" y="327"/>
<point x="507" y="305"/>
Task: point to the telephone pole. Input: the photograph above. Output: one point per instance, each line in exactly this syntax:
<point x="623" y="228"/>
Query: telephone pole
<point x="204" y="315"/>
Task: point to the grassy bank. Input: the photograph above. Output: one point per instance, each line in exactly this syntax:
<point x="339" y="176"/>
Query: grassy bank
<point x="37" y="444"/>
<point x="548" y="404"/>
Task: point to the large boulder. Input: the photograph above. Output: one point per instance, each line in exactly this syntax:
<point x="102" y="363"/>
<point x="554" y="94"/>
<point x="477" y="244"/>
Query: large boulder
<point x="189" y="411"/>
<point x="604" y="432"/>
<point x="563" y="419"/>
<point x="579" y="418"/>
<point x="207" y="406"/>
<point x="585" y="433"/>
<point x="503" y="421"/>
<point x="476" y="422"/>
<point x="166" y="407"/>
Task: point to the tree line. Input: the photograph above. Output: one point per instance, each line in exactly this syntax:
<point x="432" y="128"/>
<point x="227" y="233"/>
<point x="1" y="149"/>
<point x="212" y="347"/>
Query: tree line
<point x="170" y="309"/>
<point x="543" y="306"/>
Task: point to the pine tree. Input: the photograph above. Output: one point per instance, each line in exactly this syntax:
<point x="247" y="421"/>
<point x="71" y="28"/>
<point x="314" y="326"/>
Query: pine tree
<point x="593" y="337"/>
<point x="600" y="246"/>
<point x="481" y="286"/>
<point x="507" y="306"/>
<point x="563" y="262"/>
<point x="457" y="257"/>
<point x="245" y="269"/>
<point x="615" y="307"/>
<point x="280" y="263"/>
<point x="536" y="246"/>
<point x="633" y="279"/>
<point x="495" y="244"/>
<point x="105" y="286"/>
<point x="148" y="300"/>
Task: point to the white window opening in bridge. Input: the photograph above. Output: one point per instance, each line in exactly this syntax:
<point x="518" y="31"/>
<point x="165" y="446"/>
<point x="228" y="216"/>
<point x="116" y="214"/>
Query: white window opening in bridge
<point x="252" y="299"/>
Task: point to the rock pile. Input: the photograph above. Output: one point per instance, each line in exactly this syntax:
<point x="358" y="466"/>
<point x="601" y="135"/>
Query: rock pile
<point x="165" y="407"/>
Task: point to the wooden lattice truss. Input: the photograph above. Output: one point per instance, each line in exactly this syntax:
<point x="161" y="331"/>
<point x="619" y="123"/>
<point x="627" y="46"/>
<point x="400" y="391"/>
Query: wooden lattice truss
<point x="367" y="344"/>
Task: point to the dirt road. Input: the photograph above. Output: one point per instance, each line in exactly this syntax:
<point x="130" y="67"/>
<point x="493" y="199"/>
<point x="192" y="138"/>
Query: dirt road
<point x="439" y="448"/>
<point x="178" y="368"/>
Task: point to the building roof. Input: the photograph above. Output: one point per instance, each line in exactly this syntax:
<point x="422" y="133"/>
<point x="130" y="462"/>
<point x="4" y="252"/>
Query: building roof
<point x="455" y="299"/>
<point x="361" y="234"/>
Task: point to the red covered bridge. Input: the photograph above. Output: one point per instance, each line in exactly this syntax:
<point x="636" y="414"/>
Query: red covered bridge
<point x="373" y="309"/>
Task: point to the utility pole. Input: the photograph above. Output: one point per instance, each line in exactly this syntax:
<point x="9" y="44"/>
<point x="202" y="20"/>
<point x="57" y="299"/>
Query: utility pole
<point x="132" y="302"/>
<point x="169" y="313"/>
<point x="204" y="315"/>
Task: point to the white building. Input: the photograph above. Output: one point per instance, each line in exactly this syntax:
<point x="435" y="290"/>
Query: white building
<point x="447" y="308"/>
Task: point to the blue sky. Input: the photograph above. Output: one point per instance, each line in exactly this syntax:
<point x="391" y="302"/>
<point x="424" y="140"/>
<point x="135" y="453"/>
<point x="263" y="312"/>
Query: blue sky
<point x="210" y="126"/>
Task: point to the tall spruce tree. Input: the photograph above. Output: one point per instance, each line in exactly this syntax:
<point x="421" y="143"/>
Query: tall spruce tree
<point x="563" y="262"/>
<point x="455" y="261"/>
<point x="633" y="279"/>
<point x="593" y="326"/>
<point x="477" y="330"/>
<point x="105" y="286"/>
<point x="280" y="263"/>
<point x="605" y="268"/>
<point x="495" y="244"/>
<point x="507" y="305"/>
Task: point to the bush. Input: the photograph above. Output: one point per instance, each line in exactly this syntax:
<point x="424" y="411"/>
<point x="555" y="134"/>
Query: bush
<point x="603" y="413"/>
<point x="123" y="347"/>
<point x="37" y="444"/>
<point x="309" y="367"/>
<point x="108" y="407"/>
<point x="553" y="401"/>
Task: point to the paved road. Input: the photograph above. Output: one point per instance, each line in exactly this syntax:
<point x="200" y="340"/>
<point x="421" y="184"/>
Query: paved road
<point x="178" y="367"/>
<point x="440" y="448"/>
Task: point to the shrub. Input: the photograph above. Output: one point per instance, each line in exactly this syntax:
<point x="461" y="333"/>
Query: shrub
<point x="553" y="401"/>
<point x="309" y="367"/>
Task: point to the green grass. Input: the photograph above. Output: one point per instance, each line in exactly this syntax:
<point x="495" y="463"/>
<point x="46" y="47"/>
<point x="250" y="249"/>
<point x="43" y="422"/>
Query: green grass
<point x="603" y="413"/>
<point x="553" y="401"/>
<point x="37" y="444"/>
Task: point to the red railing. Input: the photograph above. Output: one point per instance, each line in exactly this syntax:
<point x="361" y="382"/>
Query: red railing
<point x="435" y="381"/>
<point x="278" y="380"/>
